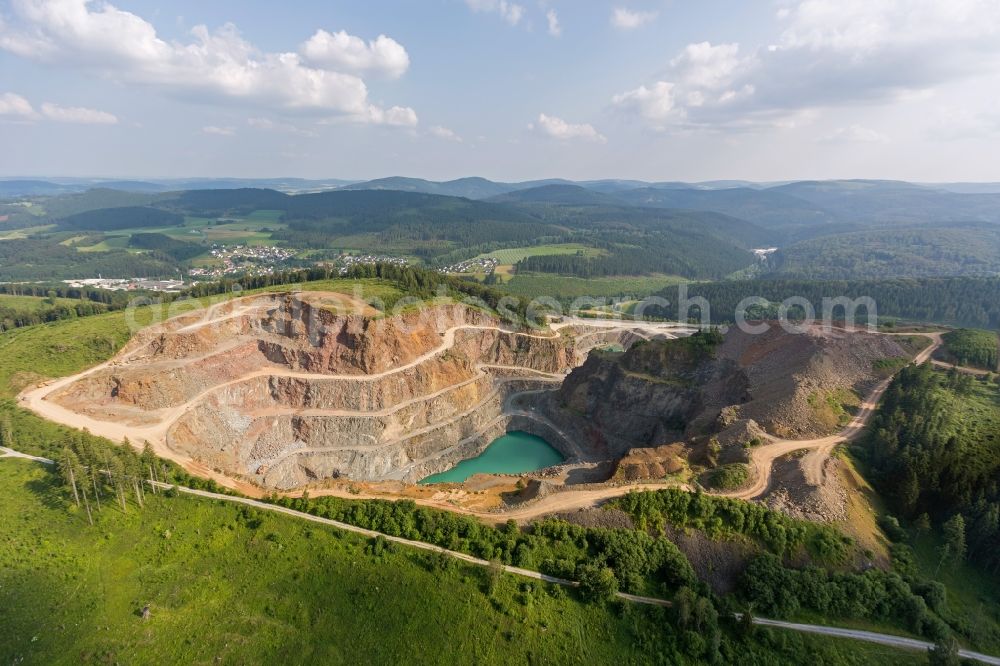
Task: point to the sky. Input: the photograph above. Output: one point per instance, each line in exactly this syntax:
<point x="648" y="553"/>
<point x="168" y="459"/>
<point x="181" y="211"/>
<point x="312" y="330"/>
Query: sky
<point x="505" y="89"/>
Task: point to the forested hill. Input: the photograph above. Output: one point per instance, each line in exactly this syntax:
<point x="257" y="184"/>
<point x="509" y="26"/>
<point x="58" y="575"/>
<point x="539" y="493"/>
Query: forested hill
<point x="559" y="194"/>
<point x="934" y="449"/>
<point x="125" y="217"/>
<point x="957" y="249"/>
<point x="961" y="301"/>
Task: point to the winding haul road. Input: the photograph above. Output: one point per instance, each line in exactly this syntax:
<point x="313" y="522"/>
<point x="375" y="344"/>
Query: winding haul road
<point x="839" y="632"/>
<point x="762" y="458"/>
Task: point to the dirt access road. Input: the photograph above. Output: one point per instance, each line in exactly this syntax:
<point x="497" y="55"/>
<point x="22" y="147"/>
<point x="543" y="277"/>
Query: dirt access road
<point x="762" y="458"/>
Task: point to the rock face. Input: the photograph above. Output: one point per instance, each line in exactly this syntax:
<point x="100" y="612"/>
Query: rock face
<point x="786" y="384"/>
<point x="285" y="390"/>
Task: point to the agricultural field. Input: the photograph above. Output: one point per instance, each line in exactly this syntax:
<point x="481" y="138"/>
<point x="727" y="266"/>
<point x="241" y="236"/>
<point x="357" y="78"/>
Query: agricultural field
<point x="32" y="303"/>
<point x="534" y="285"/>
<point x="254" y="230"/>
<point x="107" y="244"/>
<point x="17" y="234"/>
<point x="512" y="255"/>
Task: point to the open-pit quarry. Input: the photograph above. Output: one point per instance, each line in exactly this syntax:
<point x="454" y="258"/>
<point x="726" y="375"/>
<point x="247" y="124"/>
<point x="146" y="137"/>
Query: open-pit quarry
<point x="284" y="390"/>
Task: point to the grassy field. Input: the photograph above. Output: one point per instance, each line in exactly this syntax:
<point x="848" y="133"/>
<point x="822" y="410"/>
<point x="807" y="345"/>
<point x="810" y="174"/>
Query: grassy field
<point x="255" y="229"/>
<point x="227" y="584"/>
<point x="109" y="243"/>
<point x="510" y="256"/>
<point x="562" y="287"/>
<point x="17" y="234"/>
<point x="379" y="293"/>
<point x="269" y="588"/>
<point x="271" y="217"/>
<point x="62" y="348"/>
<point x="32" y="303"/>
<point x="513" y="255"/>
<point x="972" y="593"/>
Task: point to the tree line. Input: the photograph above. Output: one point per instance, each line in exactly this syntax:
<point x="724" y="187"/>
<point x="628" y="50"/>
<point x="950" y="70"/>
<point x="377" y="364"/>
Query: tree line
<point x="636" y="561"/>
<point x="11" y="317"/>
<point x="93" y="474"/>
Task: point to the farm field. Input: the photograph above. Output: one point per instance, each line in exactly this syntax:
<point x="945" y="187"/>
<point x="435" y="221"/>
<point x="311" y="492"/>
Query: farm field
<point x="32" y="303"/>
<point x="509" y="256"/>
<point x="199" y="229"/>
<point x="512" y="255"/>
<point x="17" y="234"/>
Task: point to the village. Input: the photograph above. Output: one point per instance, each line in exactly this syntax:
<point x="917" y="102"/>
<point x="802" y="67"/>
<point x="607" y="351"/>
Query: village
<point x="243" y="260"/>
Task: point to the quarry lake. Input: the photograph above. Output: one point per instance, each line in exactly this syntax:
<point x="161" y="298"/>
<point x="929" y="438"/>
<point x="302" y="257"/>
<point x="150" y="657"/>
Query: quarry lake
<point x="513" y="453"/>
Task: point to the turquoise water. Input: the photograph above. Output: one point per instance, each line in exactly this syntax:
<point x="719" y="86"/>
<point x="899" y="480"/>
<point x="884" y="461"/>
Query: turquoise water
<point x="513" y="453"/>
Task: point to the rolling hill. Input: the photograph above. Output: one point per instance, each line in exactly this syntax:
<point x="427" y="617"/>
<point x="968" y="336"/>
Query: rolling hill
<point x="563" y="194"/>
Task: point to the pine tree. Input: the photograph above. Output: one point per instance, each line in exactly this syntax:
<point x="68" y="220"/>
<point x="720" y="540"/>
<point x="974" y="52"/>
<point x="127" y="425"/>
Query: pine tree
<point x="6" y="433"/>
<point x="954" y="547"/>
<point x="116" y="474"/>
<point x="69" y="464"/>
<point x="148" y="459"/>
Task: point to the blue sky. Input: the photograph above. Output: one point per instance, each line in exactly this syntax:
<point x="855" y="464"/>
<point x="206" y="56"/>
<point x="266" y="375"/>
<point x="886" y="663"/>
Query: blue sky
<point x="507" y="89"/>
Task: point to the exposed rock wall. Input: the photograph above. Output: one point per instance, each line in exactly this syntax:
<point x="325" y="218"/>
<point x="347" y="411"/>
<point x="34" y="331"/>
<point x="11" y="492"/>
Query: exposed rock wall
<point x="283" y="390"/>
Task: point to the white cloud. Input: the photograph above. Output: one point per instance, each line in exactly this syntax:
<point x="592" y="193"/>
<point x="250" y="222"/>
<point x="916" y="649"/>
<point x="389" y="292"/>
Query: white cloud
<point x="855" y="134"/>
<point x="220" y="131"/>
<point x="627" y="19"/>
<point x="268" y="125"/>
<point x="870" y="25"/>
<point x="706" y="66"/>
<point x="657" y="104"/>
<point x="218" y="64"/>
<point x="830" y="53"/>
<point x="558" y="128"/>
<point x="15" y="107"/>
<point x="553" y="19"/>
<point x="510" y="12"/>
<point x="77" y="114"/>
<point x="340" y="50"/>
<point x="399" y="116"/>
<point x="444" y="133"/>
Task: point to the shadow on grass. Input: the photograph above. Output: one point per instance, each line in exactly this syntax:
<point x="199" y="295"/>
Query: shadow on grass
<point x="47" y="492"/>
